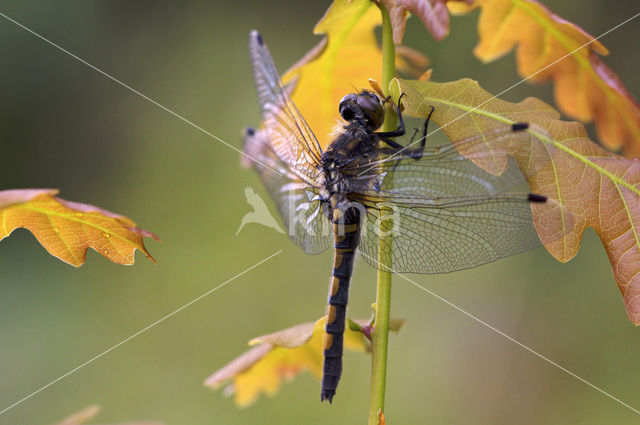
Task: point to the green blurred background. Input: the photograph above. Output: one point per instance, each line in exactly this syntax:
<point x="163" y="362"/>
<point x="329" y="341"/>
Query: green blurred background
<point x="64" y="125"/>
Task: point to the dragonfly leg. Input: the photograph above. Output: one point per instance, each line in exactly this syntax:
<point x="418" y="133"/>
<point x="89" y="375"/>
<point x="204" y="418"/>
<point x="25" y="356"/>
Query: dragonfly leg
<point x="413" y="136"/>
<point x="417" y="153"/>
<point x="391" y="143"/>
<point x="401" y="149"/>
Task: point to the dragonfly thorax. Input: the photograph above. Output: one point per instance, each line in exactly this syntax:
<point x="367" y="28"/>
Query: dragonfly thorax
<point x="354" y="142"/>
<point x="332" y="182"/>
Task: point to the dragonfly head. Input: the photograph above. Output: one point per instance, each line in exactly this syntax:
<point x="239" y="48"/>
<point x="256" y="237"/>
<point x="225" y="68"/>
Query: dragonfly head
<point x="363" y="107"/>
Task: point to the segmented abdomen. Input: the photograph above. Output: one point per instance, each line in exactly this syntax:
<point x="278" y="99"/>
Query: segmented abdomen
<point x="346" y="231"/>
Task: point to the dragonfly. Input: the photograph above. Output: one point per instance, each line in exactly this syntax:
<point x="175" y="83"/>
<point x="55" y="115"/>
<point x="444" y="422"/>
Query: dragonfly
<point x="447" y="214"/>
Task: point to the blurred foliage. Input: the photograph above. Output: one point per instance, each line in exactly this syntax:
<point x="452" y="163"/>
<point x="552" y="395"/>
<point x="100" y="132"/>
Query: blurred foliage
<point x="89" y="412"/>
<point x="64" y="125"/>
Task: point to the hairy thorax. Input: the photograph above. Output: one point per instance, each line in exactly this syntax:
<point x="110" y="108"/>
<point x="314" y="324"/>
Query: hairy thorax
<point x="349" y="146"/>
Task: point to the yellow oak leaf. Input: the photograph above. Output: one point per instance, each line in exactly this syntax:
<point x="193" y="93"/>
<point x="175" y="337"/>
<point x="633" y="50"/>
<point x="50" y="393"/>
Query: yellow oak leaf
<point x="282" y="356"/>
<point x="585" y="88"/>
<point x="341" y="63"/>
<point x="347" y="59"/>
<point x="68" y="229"/>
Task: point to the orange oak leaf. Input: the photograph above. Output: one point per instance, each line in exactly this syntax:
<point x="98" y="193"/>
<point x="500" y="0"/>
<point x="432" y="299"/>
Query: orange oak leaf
<point x="587" y="186"/>
<point x="90" y="412"/>
<point x="551" y="48"/>
<point x="282" y="356"/>
<point x="68" y="229"/>
<point x="433" y="13"/>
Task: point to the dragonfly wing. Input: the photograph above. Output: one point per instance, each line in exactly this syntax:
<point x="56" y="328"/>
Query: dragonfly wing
<point x="457" y="234"/>
<point x="441" y="171"/>
<point x="301" y="212"/>
<point x="289" y="135"/>
<point x="448" y="214"/>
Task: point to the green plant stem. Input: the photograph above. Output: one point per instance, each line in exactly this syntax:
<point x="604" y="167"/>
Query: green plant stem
<point x="380" y="334"/>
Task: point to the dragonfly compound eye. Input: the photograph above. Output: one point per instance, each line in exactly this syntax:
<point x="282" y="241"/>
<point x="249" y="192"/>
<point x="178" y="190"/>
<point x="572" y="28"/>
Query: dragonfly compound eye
<point x="372" y="108"/>
<point x="346" y="106"/>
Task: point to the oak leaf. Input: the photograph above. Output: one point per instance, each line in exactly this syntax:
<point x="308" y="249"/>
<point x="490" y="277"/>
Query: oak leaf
<point x="68" y="229"/>
<point x="551" y="48"/>
<point x="587" y="185"/>
<point x="433" y="13"/>
<point x="282" y="356"/>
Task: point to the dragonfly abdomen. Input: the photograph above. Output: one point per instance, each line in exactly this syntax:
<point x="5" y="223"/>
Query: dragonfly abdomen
<point x="346" y="231"/>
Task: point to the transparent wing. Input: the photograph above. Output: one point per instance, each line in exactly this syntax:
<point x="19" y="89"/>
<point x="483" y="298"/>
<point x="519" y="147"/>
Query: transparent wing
<point x="448" y="214"/>
<point x="290" y="137"/>
<point x="297" y="202"/>
<point x="441" y="172"/>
